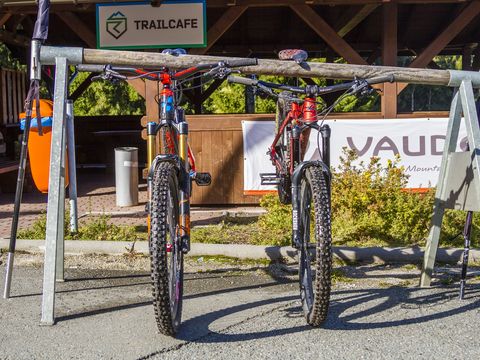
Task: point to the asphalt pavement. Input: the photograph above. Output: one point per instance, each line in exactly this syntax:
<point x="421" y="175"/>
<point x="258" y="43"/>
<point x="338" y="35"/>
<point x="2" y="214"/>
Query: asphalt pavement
<point x="240" y="311"/>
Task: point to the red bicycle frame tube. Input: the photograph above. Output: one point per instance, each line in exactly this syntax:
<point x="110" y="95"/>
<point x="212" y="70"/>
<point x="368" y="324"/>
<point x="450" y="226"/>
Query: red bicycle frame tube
<point x="307" y="112"/>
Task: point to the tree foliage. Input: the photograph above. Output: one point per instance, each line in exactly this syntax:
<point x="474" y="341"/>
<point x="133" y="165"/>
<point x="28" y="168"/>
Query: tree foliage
<point x="105" y="98"/>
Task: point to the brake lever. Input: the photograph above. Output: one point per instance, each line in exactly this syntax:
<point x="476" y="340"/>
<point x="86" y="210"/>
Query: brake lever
<point x="110" y="75"/>
<point x="220" y="72"/>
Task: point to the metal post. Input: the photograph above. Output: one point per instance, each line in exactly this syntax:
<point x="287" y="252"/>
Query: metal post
<point x="438" y="210"/>
<point x="72" y="168"/>
<point x="60" y="269"/>
<point x="56" y="204"/>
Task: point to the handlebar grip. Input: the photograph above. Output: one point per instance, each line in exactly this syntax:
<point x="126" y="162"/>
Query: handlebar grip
<point x="241" y="62"/>
<point x="381" y="79"/>
<point x="91" y="68"/>
<point x="242" y="80"/>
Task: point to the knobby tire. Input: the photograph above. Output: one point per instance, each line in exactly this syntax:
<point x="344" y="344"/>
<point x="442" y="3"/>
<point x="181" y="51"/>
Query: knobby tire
<point x="315" y="269"/>
<point x="166" y="266"/>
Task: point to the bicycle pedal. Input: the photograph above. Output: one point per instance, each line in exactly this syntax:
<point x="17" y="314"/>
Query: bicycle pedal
<point x="203" y="179"/>
<point x="269" y="179"/>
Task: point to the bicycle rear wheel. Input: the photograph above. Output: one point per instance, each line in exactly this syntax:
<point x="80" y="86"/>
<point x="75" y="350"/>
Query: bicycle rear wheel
<point x="284" y="188"/>
<point x="165" y="251"/>
<point x="315" y="267"/>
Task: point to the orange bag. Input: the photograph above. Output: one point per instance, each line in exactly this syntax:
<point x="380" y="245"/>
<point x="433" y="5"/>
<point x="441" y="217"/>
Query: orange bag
<point x="39" y="146"/>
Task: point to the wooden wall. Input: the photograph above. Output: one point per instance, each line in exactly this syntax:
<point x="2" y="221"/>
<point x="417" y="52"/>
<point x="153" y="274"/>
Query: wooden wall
<point x="217" y="143"/>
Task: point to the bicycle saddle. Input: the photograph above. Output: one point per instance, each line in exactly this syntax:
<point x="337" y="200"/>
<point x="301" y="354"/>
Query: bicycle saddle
<point x="174" y="52"/>
<point x="296" y="55"/>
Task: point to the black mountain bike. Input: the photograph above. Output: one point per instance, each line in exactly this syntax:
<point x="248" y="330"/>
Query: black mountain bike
<point x="306" y="184"/>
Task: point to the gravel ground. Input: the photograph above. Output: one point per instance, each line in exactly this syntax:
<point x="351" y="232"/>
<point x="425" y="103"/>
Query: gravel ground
<point x="238" y="310"/>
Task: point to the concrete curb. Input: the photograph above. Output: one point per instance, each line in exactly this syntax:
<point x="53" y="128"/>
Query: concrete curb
<point x="351" y="254"/>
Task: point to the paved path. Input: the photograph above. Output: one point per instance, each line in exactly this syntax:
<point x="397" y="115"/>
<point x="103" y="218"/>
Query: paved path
<point x="238" y="313"/>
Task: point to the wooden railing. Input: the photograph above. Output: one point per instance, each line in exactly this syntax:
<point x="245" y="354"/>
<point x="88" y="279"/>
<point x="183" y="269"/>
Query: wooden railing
<point x="13" y="91"/>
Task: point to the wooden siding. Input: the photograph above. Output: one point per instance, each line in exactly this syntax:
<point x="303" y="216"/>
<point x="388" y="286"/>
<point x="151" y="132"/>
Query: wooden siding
<point x="13" y="92"/>
<point x="217" y="143"/>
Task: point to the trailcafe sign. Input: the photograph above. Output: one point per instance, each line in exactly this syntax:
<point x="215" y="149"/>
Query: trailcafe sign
<point x="175" y="23"/>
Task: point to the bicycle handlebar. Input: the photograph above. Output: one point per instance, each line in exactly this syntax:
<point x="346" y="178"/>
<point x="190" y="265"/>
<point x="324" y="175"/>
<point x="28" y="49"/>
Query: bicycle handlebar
<point x="309" y="89"/>
<point x="178" y="75"/>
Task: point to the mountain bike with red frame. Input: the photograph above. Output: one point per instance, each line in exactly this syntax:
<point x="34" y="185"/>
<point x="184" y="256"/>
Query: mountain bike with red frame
<point x="171" y="173"/>
<point x="306" y="184"/>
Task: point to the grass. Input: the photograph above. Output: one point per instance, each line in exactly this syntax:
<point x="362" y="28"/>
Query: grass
<point x="100" y="228"/>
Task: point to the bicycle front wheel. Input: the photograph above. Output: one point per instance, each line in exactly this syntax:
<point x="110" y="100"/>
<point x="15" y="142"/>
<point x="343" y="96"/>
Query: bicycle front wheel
<point x="165" y="251"/>
<point x="316" y="248"/>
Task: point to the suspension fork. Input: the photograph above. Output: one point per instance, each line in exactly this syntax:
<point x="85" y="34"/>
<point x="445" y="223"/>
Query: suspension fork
<point x="295" y="153"/>
<point x="325" y="131"/>
<point x="185" y="189"/>
<point x="152" y="130"/>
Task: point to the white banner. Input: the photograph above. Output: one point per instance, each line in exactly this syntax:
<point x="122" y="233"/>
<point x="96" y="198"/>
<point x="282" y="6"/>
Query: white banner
<point x="419" y="142"/>
<point x="175" y="23"/>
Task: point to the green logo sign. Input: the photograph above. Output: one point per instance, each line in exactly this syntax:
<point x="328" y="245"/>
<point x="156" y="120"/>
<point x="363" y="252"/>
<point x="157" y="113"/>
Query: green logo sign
<point x="116" y="24"/>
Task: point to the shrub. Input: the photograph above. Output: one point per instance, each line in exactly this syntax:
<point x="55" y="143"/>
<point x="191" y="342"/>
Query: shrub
<point x="370" y="206"/>
<point x="369" y="203"/>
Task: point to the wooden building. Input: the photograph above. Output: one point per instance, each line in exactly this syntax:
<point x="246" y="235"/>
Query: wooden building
<point x="359" y="31"/>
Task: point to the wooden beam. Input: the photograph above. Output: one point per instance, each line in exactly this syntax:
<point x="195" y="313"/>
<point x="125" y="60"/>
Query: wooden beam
<point x="138" y="85"/>
<point x="269" y="67"/>
<point x="389" y="58"/>
<point x="445" y="37"/>
<point x="4" y="18"/>
<point x="220" y="27"/>
<point x="82" y="87"/>
<point x="224" y="3"/>
<point x="78" y="26"/>
<point x="357" y="19"/>
<point x="325" y="31"/>
<point x="151" y="92"/>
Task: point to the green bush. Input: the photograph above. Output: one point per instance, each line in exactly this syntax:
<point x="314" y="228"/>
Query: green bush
<point x="371" y="207"/>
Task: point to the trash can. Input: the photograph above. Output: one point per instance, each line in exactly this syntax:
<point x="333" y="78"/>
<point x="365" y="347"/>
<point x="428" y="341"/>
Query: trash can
<point x="39" y="146"/>
<point x="126" y="176"/>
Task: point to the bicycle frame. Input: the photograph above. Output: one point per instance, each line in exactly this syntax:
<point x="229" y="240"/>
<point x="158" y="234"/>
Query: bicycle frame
<point x="300" y="118"/>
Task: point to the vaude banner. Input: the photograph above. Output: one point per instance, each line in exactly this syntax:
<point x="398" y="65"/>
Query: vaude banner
<point x="418" y="142"/>
<point x="175" y="23"/>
